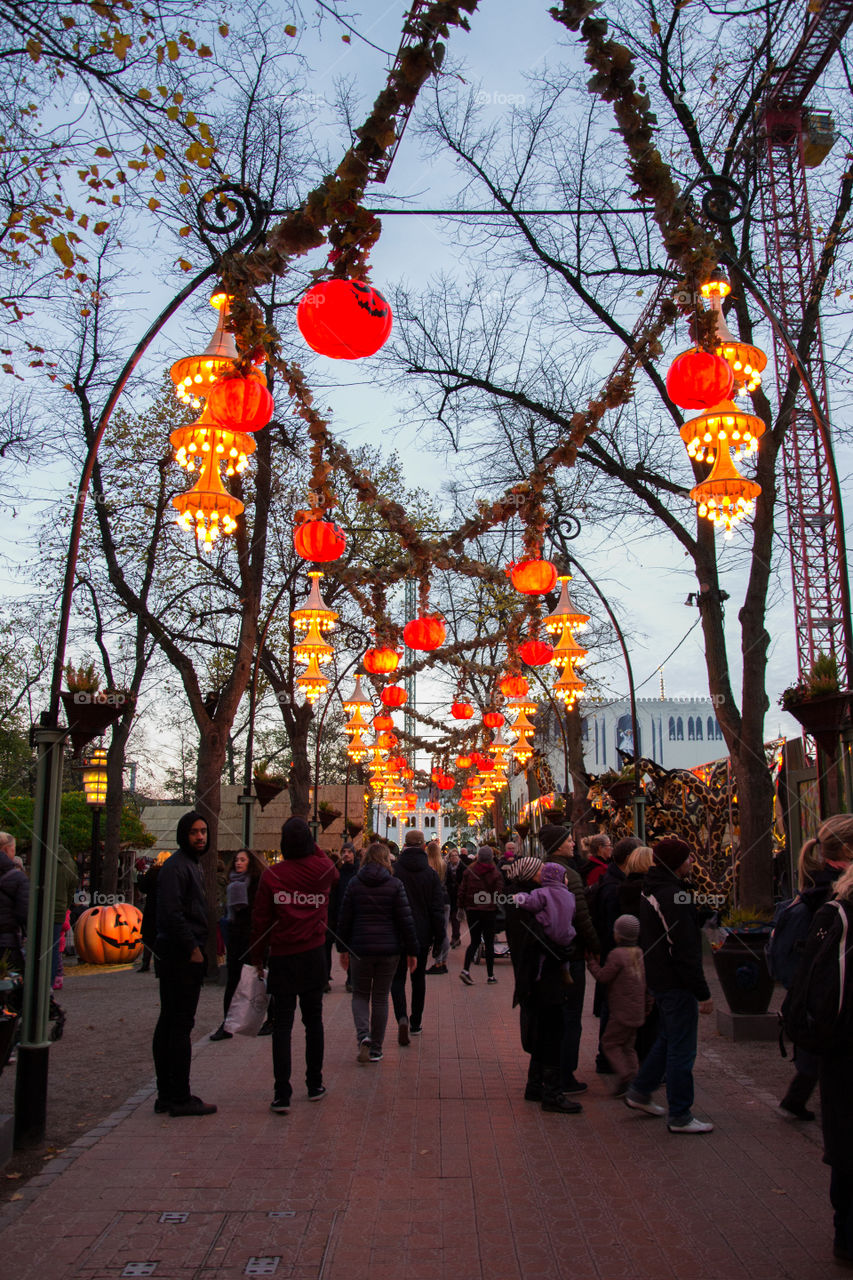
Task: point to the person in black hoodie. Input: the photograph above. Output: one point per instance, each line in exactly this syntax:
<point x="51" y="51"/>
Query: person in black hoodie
<point x="180" y="966"/>
<point x="672" y="945"/>
<point x="347" y="868"/>
<point x="14" y="903"/>
<point x="376" y="927"/>
<point x="426" y="899"/>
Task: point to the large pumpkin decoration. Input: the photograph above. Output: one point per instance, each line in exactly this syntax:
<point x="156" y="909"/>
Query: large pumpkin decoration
<point x="381" y="662"/>
<point x="426" y="632"/>
<point x="344" y="319"/>
<point x="109" y="935"/>
<point x="319" y="540"/>
<point x="240" y="403"/>
<point x="462" y="711"/>
<point x="493" y="719"/>
<point x="393" y="696"/>
<point x="698" y="379"/>
<point x="535" y="653"/>
<point x="533" y="577"/>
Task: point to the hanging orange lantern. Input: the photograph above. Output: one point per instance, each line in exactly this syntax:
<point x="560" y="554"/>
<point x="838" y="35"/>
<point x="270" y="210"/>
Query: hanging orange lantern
<point x="445" y="782"/>
<point x="425" y="633"/>
<point x="319" y="540"/>
<point x="725" y="421"/>
<point x="514" y="686"/>
<point x="747" y="362"/>
<point x="535" y="653"/>
<point x="193" y="376"/>
<point x="240" y="403"/>
<point x="463" y="762"/>
<point x="433" y="805"/>
<point x="344" y="319"/>
<point x="726" y="496"/>
<point x="533" y="577"/>
<point x="394" y="695"/>
<point x="698" y="379"/>
<point x="208" y="507"/>
<point x="381" y="662"/>
<point x="387" y="741"/>
<point x="383" y="723"/>
<point x="485" y="765"/>
<point x="411" y="800"/>
<point x="461" y="710"/>
<point x="493" y="719"/>
<point x="565" y="614"/>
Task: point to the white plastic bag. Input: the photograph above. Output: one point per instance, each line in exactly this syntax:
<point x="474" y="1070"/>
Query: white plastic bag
<point x="248" y="1007"/>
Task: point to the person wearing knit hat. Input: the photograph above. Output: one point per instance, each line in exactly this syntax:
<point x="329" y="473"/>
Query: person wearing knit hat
<point x="289" y="921"/>
<point x="558" y="846"/>
<point x="623" y="977"/>
<point x="671" y="940"/>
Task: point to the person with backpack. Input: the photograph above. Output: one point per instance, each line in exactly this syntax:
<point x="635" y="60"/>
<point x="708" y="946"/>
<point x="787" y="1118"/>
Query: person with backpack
<point x="791" y="925"/>
<point x="818" y="1015"/>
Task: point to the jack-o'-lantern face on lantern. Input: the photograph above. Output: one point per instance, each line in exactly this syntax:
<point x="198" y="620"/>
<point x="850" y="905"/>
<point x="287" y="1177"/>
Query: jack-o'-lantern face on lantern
<point x="109" y="935"/>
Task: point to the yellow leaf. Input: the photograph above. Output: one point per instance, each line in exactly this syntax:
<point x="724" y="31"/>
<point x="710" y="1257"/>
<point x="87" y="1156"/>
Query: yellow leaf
<point x="178" y="97"/>
<point x="204" y="130"/>
<point x="173" y="50"/>
<point x="223" y="28"/>
<point x="290" y="30"/>
<point x="104" y="153"/>
<point x="159" y="176"/>
<point x="184" y="188"/>
<point x="184" y="231"/>
<point x="204" y="52"/>
<point x="34" y="48"/>
<point x="160" y="152"/>
<point x="62" y="249"/>
<point x="160" y="55"/>
<point x="100" y="227"/>
<point x="83" y="221"/>
<point x="68" y="23"/>
<point x="172" y="113"/>
<point x="190" y="118"/>
<point x="121" y="44"/>
<point x="185" y="266"/>
<point x="144" y="94"/>
<point x="153" y="204"/>
<point x="116" y="199"/>
<point x="347" y="39"/>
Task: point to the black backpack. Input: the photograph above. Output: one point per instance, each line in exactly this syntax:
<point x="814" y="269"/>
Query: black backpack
<point x="817" y="1012"/>
<point x="784" y="951"/>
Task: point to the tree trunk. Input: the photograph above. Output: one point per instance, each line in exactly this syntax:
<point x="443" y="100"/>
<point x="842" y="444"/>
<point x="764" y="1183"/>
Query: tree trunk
<point x="754" y="790"/>
<point x="211" y="759"/>
<point x="114" y="805"/>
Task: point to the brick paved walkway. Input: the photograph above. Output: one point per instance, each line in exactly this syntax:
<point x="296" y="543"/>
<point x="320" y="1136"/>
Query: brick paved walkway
<point x="429" y="1165"/>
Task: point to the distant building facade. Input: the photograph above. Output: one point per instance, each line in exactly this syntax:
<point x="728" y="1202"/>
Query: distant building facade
<point x="677" y="733"/>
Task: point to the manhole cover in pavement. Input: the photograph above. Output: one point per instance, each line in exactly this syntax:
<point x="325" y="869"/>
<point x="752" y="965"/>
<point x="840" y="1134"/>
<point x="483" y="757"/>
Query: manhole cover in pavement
<point x="140" y="1269"/>
<point x="173" y="1217"/>
<point x="262" y="1266"/>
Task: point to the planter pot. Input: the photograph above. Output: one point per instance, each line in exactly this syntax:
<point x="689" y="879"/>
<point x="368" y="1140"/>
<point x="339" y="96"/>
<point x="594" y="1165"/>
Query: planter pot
<point x="824" y="717"/>
<point x="326" y="819"/>
<point x="522" y="828"/>
<point x="741" y="967"/>
<point x="90" y="714"/>
<point x="621" y="792"/>
<point x="267" y="791"/>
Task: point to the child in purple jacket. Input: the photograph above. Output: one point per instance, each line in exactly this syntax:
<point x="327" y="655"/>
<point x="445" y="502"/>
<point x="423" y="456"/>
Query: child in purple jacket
<point x="553" y="904"/>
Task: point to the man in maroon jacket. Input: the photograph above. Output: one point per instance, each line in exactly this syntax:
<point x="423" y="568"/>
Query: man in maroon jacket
<point x="289" y="922"/>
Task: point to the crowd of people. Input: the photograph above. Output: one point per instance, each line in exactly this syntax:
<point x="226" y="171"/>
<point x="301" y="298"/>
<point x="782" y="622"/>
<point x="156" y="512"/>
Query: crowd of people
<point x="625" y="914"/>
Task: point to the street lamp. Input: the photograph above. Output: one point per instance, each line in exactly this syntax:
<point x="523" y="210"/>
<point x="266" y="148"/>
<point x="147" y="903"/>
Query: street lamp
<point x="95" y="787"/>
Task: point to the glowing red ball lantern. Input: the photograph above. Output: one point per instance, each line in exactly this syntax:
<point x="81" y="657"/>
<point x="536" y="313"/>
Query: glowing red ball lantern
<point x="426" y="632"/>
<point x="485" y="764"/>
<point x="478" y="759"/>
<point x="514" y="686"/>
<point x="533" y="577"/>
<point x="493" y="719"/>
<point x="393" y="696"/>
<point x="699" y="380"/>
<point x="381" y="662"/>
<point x="466" y="794"/>
<point x="434" y="805"/>
<point x="535" y="653"/>
<point x="445" y="782"/>
<point x="397" y="762"/>
<point x="344" y="319"/>
<point x="240" y="403"/>
<point x="383" y="723"/>
<point x="319" y="540"/>
<point x="411" y="800"/>
<point x="463" y="762"/>
<point x="462" y="711"/>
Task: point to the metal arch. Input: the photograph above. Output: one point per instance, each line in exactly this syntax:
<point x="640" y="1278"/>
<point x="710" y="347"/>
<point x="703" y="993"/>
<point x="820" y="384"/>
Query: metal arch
<point x="723" y="203"/>
<point x="225" y="209"/>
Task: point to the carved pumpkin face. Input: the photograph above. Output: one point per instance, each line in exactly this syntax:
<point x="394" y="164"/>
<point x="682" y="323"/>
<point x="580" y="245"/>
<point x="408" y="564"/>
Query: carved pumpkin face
<point x="344" y="319"/>
<point x="109" y="935"/>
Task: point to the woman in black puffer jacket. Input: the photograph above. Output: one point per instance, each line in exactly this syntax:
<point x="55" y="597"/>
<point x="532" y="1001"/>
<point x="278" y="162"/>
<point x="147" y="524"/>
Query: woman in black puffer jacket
<point x="376" y="927"/>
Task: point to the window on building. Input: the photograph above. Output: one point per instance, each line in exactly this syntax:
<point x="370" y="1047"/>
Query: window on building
<point x="680" y="729"/>
<point x="672" y="728"/>
<point x="392" y="821"/>
<point x="429" y="820"/>
<point x="698" y="728"/>
<point x="691" y="729"/>
<point x="709" y="724"/>
<point x="585" y="729"/>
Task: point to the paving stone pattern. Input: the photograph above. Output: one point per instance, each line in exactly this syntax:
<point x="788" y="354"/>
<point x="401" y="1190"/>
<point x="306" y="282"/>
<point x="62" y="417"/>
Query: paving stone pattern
<point x="430" y="1165"/>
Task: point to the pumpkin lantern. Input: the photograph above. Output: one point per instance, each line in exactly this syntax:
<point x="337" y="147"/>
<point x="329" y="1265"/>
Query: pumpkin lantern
<point x="514" y="686"/>
<point x="425" y="633"/>
<point x="109" y="935"/>
<point x="344" y="319"/>
<point x="381" y="662"/>
<point x="535" y="653"/>
<point x="445" y="782"/>
<point x="240" y="403"/>
<point x="463" y="762"/>
<point x="319" y="540"/>
<point x="533" y="577"/>
<point x="493" y="719"/>
<point x="393" y="696"/>
<point x="383" y="723"/>
<point x="461" y="710"/>
<point x="698" y="379"/>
